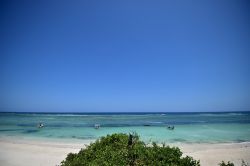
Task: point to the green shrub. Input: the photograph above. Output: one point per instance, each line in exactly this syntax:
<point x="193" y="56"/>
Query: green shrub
<point x="122" y="149"/>
<point x="243" y="163"/>
<point x="224" y="164"/>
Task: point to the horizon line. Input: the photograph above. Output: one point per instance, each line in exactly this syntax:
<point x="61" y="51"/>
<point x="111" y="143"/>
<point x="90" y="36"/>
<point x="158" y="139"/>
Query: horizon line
<point x="96" y="112"/>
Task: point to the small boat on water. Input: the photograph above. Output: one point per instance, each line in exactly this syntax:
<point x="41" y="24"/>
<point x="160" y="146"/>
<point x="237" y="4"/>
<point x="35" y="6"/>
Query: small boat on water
<point x="40" y="125"/>
<point x="170" y="127"/>
<point x="97" y="126"/>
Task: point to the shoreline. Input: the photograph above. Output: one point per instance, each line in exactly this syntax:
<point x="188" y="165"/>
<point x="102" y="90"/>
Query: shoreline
<point x="20" y="151"/>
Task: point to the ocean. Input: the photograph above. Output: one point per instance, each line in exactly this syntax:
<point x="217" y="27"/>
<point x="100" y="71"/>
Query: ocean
<point x="208" y="127"/>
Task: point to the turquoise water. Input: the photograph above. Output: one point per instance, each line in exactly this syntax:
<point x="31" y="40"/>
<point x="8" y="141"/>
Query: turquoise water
<point x="189" y="127"/>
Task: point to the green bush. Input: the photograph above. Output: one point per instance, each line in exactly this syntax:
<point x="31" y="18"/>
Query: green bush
<point x="243" y="163"/>
<point x="122" y="149"/>
<point x="226" y="164"/>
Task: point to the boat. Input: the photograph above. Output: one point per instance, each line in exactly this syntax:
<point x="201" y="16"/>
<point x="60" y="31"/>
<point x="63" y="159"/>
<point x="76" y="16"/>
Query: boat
<point x="97" y="126"/>
<point x="170" y="127"/>
<point x="40" y="125"/>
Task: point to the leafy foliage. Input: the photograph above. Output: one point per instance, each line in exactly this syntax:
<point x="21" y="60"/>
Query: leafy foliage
<point x="226" y="164"/>
<point x="243" y="163"/>
<point x="122" y="149"/>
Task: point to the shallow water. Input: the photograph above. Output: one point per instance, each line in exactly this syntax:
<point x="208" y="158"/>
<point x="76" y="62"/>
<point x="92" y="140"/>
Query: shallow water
<point x="189" y="127"/>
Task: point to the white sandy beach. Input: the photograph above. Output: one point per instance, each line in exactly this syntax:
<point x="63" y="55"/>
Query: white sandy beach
<point x="29" y="152"/>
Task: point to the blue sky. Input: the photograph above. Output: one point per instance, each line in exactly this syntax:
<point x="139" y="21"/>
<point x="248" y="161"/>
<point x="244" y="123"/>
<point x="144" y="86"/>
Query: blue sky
<point x="125" y="55"/>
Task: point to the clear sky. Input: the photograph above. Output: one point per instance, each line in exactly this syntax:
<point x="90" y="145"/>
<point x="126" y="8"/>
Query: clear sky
<point x="89" y="55"/>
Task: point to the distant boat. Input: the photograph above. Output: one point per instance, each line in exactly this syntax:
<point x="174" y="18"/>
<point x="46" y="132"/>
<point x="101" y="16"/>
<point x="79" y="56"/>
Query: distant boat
<point x="40" y="125"/>
<point x="97" y="126"/>
<point x="170" y="127"/>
